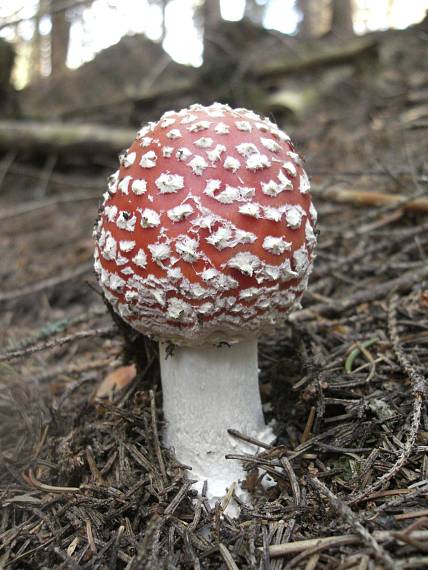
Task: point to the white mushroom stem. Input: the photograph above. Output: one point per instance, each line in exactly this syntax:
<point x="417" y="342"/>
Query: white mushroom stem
<point x="206" y="391"/>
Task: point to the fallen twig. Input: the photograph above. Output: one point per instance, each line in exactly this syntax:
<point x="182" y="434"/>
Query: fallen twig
<point x="38" y="205"/>
<point x="278" y="550"/>
<point x="419" y="391"/>
<point x="293" y="479"/>
<point x="248" y="439"/>
<point x="156" y="439"/>
<point x="46" y="283"/>
<point x="57" y="342"/>
<point x="179" y="497"/>
<point x="31" y="479"/>
<point x="58" y="326"/>
<point x="227" y="557"/>
<point x="372" y="293"/>
<point x="350" y="518"/>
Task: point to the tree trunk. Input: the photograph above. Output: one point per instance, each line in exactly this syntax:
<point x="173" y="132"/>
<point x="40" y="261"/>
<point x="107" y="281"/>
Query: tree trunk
<point x="308" y="25"/>
<point x="163" y="4"/>
<point x="38" y="43"/>
<point x="35" y="55"/>
<point x="341" y="18"/>
<point x="211" y="16"/>
<point x="8" y="103"/>
<point x="60" y="36"/>
<point x="254" y="12"/>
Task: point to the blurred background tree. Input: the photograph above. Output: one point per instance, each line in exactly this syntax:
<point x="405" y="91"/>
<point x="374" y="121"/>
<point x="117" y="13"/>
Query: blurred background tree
<point x="312" y="18"/>
<point x="51" y="35"/>
<point x="342" y="12"/>
<point x="327" y="16"/>
<point x="255" y="10"/>
<point x="60" y="36"/>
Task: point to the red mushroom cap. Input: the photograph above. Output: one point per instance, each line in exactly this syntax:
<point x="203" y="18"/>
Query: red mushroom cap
<point x="207" y="230"/>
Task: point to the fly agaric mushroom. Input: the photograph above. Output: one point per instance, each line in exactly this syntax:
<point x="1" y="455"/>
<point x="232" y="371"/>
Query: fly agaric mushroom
<point x="205" y="241"/>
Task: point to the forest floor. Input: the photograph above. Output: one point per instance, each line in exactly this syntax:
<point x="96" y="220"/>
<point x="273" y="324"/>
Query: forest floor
<point x="86" y="483"/>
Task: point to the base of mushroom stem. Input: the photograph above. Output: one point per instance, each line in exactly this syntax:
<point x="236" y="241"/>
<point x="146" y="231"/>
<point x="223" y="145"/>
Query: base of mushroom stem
<point x="206" y="391"/>
<point x="216" y="489"/>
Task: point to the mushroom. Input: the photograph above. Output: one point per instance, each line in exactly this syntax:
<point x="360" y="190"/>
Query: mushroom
<point x="205" y="241"/>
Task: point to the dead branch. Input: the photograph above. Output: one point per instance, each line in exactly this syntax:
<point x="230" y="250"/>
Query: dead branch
<point x="37" y="205"/>
<point x="363" y="198"/>
<point x="31" y="479"/>
<point x="349" y="517"/>
<point x="336" y="55"/>
<point x="278" y="550"/>
<point x="57" y="342"/>
<point x="419" y="382"/>
<point x="243" y="437"/>
<point x="62" y="180"/>
<point x="46" y="283"/>
<point x="169" y="510"/>
<point x="63" y="137"/>
<point x="419" y="389"/>
<point x="227" y="557"/>
<point x="137" y="97"/>
<point x="156" y="439"/>
<point x="60" y="325"/>
<point x="288" y="468"/>
<point x="372" y="293"/>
